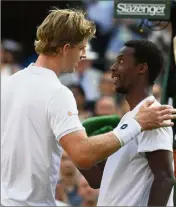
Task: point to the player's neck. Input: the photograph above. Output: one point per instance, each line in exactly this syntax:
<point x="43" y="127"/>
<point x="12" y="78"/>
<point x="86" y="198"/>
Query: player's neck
<point x="136" y="96"/>
<point x="48" y="62"/>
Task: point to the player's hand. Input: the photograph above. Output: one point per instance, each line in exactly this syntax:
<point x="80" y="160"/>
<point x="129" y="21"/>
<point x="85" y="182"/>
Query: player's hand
<point x="152" y="117"/>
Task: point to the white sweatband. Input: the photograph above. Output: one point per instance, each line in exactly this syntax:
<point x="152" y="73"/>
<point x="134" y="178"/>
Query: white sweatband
<point x="127" y="131"/>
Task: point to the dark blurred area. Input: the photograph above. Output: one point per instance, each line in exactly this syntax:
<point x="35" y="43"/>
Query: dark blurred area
<point x="21" y="18"/>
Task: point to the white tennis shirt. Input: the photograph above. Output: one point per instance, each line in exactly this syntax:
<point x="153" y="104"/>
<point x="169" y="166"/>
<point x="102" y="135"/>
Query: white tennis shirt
<point x="127" y="177"/>
<point x="36" y="111"/>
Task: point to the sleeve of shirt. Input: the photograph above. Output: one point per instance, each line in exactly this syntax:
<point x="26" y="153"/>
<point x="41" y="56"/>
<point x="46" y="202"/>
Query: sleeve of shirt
<point x="63" y="114"/>
<point x="158" y="139"/>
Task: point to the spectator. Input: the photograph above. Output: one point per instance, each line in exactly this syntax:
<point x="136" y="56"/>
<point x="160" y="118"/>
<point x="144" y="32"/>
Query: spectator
<point x="67" y="187"/>
<point x="88" y="194"/>
<point x="107" y="86"/>
<point x="102" y="13"/>
<point x="86" y="76"/>
<point x="162" y="39"/>
<point x="105" y="106"/>
<point x="10" y="56"/>
<point x="126" y="29"/>
<point x="79" y="95"/>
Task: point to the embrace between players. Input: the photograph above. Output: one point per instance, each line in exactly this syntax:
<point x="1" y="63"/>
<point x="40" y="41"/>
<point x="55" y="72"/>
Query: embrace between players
<point x="132" y="165"/>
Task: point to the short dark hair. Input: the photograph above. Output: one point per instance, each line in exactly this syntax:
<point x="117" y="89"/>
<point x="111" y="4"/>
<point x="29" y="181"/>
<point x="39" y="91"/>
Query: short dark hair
<point x="147" y="52"/>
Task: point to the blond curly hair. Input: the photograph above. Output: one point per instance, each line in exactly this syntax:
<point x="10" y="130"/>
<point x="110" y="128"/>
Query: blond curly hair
<point x="62" y="27"/>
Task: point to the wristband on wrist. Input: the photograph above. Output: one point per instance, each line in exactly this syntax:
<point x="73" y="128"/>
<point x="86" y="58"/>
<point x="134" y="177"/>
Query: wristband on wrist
<point x="127" y="131"/>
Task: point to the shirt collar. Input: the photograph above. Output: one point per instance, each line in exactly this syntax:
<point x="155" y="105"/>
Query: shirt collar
<point x="42" y="71"/>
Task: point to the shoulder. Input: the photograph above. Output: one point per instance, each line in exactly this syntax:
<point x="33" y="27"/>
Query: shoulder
<point x="65" y="90"/>
<point x="161" y="131"/>
<point x="156" y="139"/>
<point x="68" y="78"/>
<point x="126" y="116"/>
<point x="62" y="93"/>
<point x="66" y="93"/>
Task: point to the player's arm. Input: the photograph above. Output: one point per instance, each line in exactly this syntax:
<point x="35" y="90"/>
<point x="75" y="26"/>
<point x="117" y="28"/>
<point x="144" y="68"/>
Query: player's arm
<point x="157" y="147"/>
<point x="160" y="163"/>
<point x="87" y="152"/>
<point x="94" y="174"/>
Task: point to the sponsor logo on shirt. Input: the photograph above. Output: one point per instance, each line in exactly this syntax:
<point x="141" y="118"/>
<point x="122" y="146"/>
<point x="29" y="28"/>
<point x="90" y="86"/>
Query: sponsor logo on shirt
<point x="124" y="126"/>
<point x="71" y="113"/>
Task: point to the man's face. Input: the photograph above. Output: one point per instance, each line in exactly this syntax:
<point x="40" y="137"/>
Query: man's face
<point x="125" y="71"/>
<point x="72" y="56"/>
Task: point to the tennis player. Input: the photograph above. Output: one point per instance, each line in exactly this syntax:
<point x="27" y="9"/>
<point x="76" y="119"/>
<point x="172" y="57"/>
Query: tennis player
<point x="140" y="173"/>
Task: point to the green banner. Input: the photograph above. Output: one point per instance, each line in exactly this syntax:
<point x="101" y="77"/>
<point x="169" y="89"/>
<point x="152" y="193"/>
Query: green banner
<point x="142" y="9"/>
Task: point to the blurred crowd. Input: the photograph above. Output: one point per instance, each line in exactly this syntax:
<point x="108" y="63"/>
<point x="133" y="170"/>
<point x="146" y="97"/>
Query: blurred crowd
<point x="72" y="188"/>
<point x="91" y="84"/>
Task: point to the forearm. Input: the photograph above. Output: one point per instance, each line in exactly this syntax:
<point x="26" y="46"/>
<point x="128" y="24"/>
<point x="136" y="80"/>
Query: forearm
<point x="102" y="146"/>
<point x="160" y="191"/>
<point x="88" y="151"/>
<point x="97" y="148"/>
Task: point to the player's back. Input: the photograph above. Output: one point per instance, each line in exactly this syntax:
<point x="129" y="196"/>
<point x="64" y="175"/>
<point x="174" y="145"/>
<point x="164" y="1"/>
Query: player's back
<point x="28" y="146"/>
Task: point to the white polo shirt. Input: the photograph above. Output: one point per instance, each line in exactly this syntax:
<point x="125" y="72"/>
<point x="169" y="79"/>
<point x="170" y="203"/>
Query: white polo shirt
<point x="127" y="177"/>
<point x="36" y="111"/>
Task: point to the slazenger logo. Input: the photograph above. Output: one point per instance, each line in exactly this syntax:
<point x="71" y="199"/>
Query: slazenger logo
<point x="141" y="9"/>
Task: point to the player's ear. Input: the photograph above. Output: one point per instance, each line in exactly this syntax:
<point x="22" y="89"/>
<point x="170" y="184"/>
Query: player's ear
<point x="65" y="48"/>
<point x="143" y="68"/>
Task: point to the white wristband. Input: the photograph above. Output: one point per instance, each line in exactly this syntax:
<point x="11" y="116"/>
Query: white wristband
<point x="127" y="131"/>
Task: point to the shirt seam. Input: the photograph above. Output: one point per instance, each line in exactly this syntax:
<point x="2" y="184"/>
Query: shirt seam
<point x="69" y="131"/>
